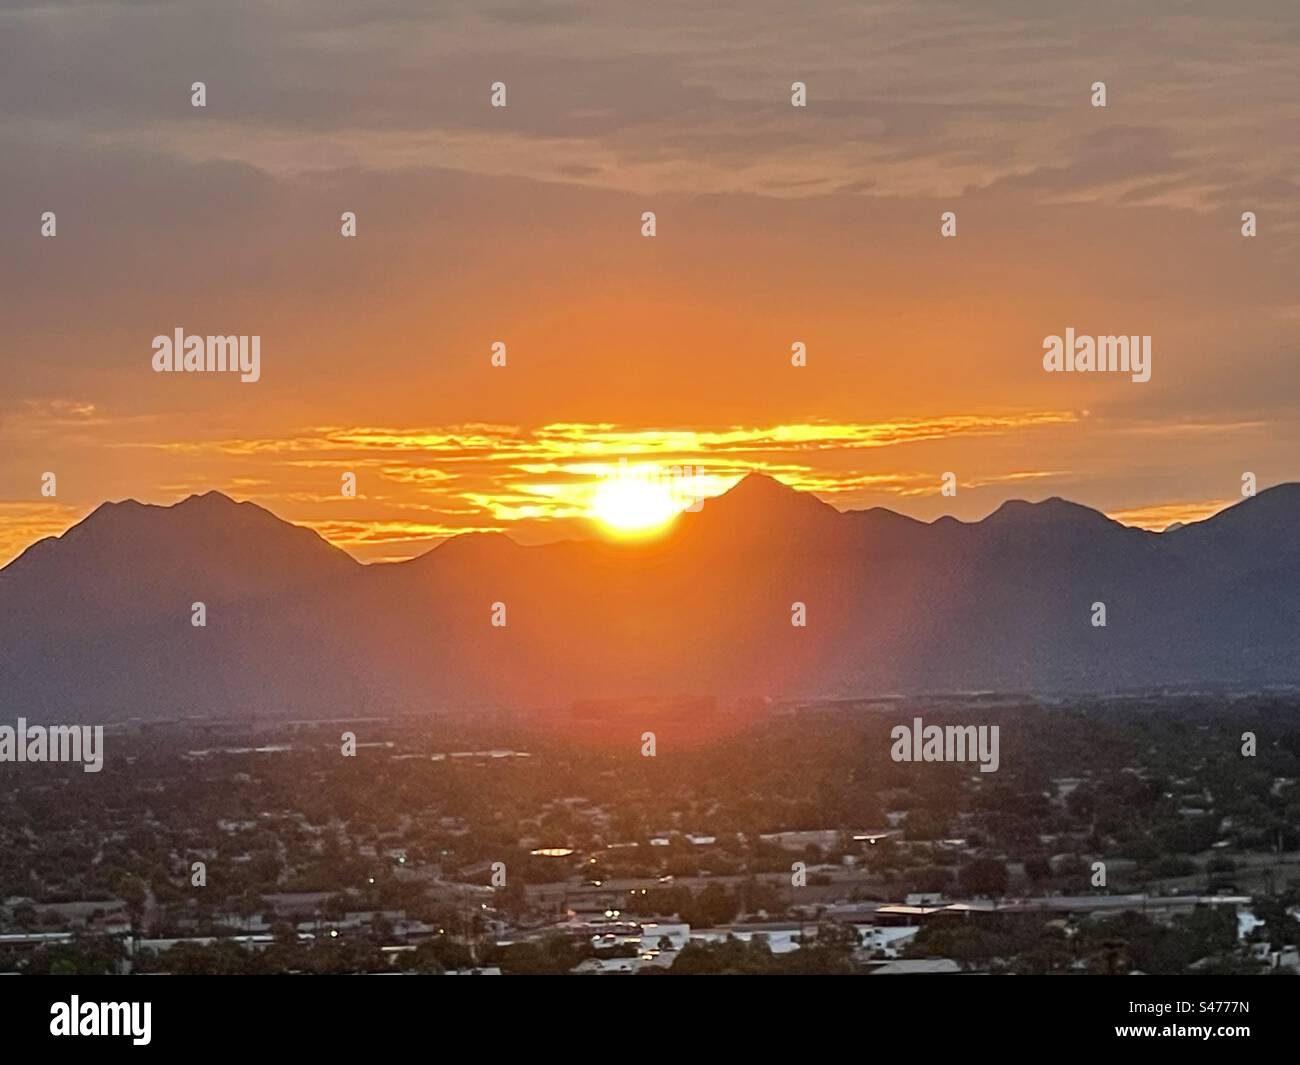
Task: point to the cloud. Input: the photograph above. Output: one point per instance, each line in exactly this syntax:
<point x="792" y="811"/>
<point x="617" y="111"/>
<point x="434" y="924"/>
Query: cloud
<point x="776" y="224"/>
<point x="927" y="98"/>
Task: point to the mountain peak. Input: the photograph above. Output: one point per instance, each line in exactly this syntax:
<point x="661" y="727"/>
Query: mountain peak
<point x="758" y="508"/>
<point x="756" y="484"/>
<point x="209" y="498"/>
<point x="118" y="537"/>
<point x="131" y="508"/>
<point x="761" y="493"/>
<point x="469" y="546"/>
<point x="1273" y="514"/>
<point x="1052" y="509"/>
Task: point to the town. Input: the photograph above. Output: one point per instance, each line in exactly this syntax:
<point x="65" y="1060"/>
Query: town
<point x="1125" y="834"/>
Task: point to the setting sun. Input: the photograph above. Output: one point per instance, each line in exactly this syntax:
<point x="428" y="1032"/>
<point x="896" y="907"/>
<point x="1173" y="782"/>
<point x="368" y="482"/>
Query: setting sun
<point x="629" y="504"/>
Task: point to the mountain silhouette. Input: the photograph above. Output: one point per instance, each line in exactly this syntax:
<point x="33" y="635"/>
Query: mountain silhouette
<point x="96" y="624"/>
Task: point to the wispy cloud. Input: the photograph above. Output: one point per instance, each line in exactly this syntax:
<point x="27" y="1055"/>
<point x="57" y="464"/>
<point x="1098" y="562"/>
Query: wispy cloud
<point x="417" y="484"/>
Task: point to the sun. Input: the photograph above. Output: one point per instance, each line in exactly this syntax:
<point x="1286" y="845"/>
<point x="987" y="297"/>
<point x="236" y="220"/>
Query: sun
<point x="630" y="505"/>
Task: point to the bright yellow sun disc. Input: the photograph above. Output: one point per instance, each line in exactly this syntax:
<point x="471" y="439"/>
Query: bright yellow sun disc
<point x="633" y="505"/>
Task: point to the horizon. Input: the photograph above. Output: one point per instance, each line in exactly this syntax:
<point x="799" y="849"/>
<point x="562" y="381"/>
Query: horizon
<point x="594" y="532"/>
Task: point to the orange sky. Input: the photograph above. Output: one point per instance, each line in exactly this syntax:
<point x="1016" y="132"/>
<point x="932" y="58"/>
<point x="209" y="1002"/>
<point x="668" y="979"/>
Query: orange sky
<point x="775" y="225"/>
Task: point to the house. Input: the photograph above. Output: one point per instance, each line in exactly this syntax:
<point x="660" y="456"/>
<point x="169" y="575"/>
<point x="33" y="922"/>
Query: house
<point x="781" y="938"/>
<point x="915" y="967"/>
<point x="887" y="941"/>
<point x="652" y="932"/>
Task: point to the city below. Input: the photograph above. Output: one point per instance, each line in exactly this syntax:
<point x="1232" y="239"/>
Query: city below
<point x="741" y="837"/>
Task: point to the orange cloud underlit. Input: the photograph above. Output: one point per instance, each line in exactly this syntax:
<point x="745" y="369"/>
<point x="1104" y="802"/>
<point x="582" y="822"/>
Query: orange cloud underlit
<point x="419" y="485"/>
<point x="1161" y="515"/>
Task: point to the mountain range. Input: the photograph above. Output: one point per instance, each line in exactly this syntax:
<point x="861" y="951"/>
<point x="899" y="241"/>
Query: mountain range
<point x="95" y="625"/>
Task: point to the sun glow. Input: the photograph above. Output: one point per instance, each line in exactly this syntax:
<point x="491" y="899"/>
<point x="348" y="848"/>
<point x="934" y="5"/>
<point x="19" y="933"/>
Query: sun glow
<point x="632" y="504"/>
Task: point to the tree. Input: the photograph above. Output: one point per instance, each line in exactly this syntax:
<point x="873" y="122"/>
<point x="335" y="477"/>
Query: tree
<point x="1038" y="869"/>
<point x="984" y="876"/>
<point x="714" y="905"/>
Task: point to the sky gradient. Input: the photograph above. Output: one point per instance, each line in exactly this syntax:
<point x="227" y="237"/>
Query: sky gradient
<point x="775" y="224"/>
